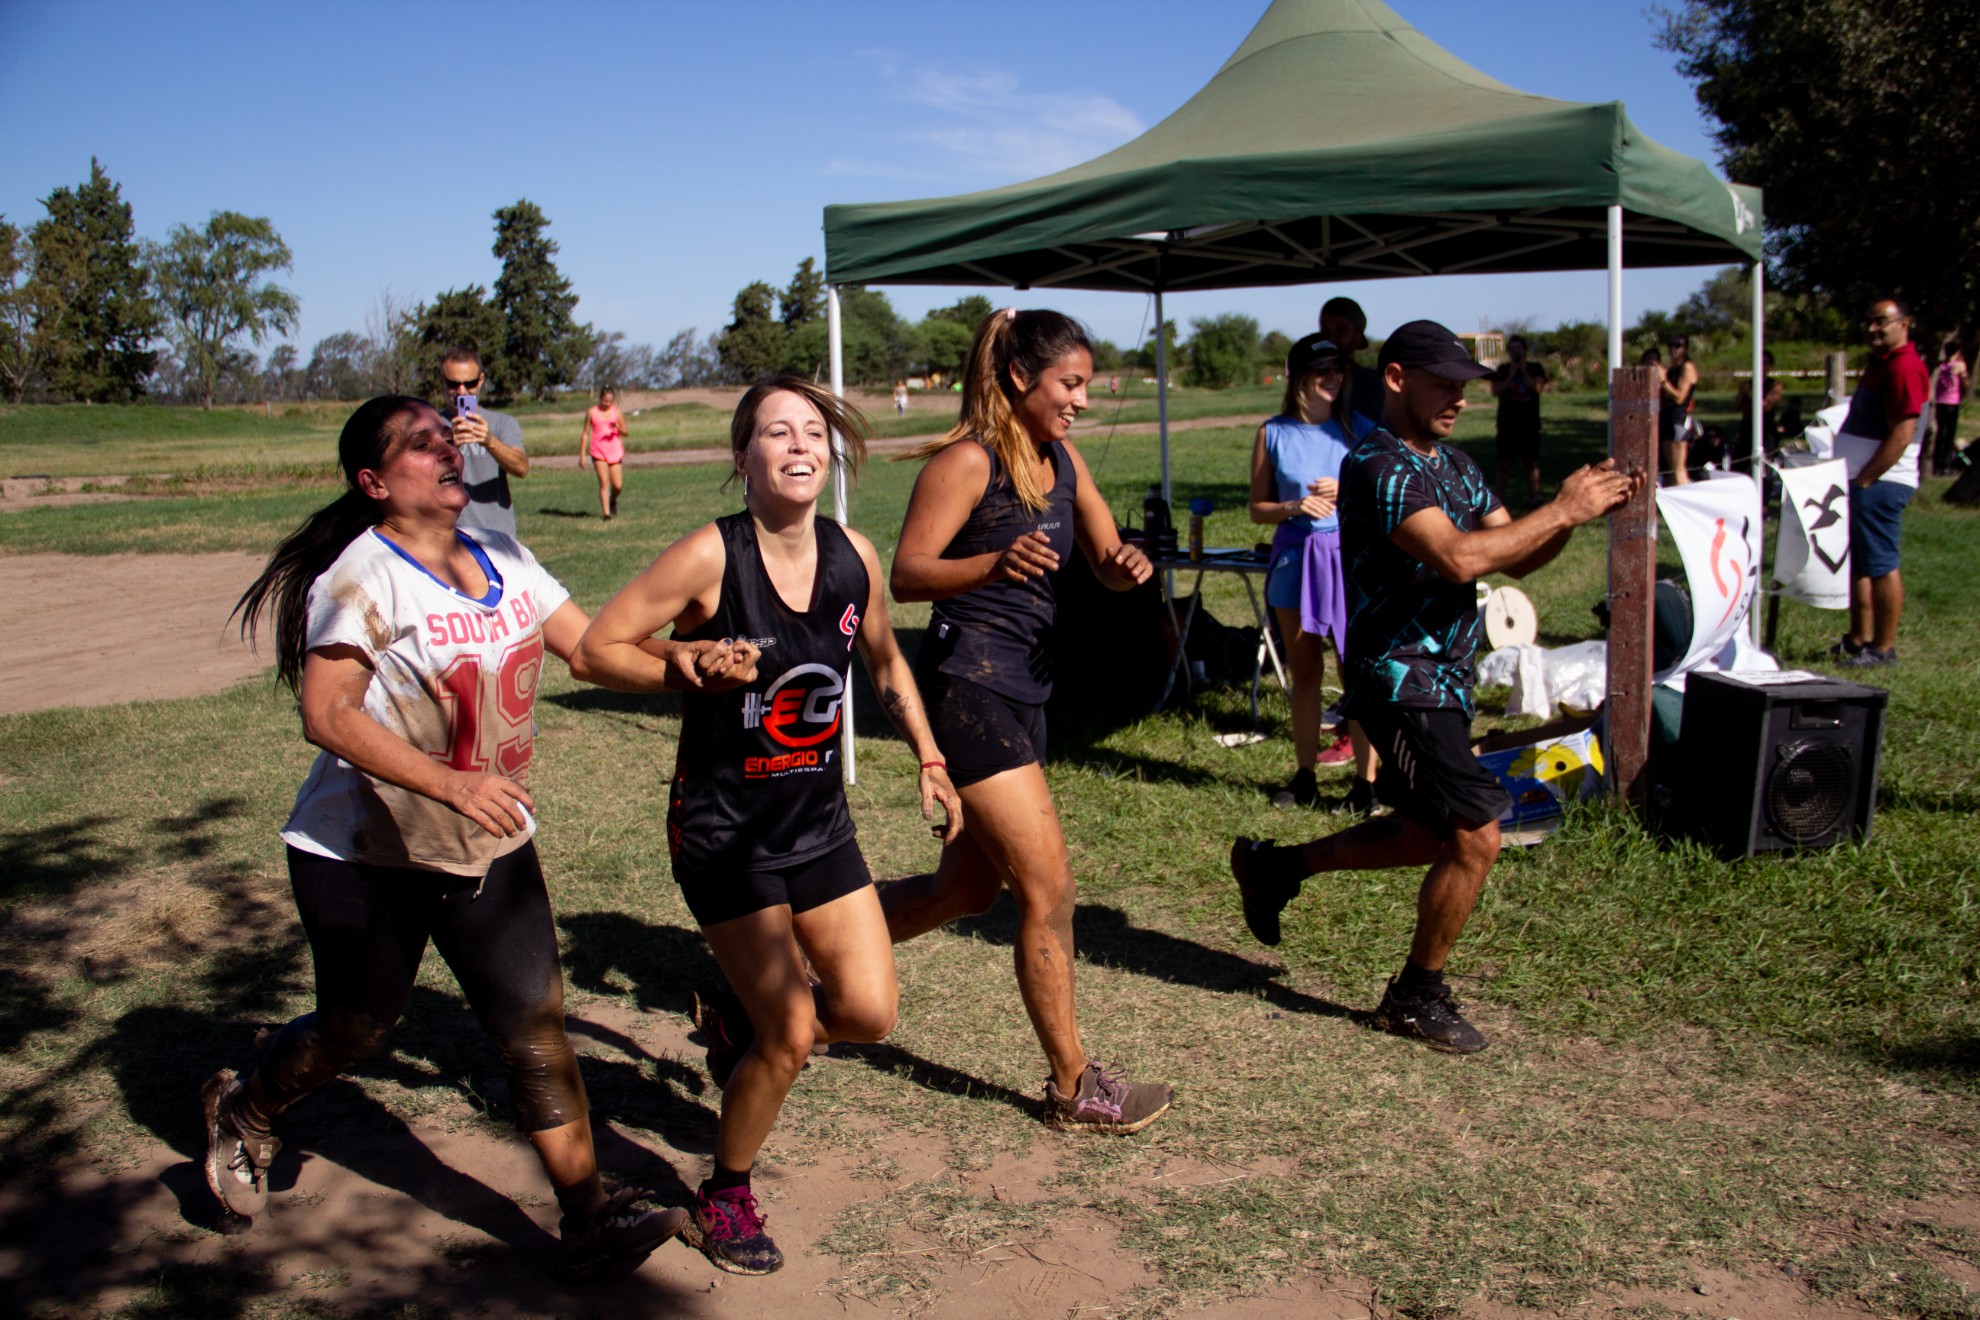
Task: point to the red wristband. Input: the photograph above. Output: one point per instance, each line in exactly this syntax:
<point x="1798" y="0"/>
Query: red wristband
<point x="934" y="765"/>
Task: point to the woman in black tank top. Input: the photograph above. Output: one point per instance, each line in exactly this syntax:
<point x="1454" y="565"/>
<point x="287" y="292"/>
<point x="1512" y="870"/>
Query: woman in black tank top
<point x="996" y="511"/>
<point x="766" y="607"/>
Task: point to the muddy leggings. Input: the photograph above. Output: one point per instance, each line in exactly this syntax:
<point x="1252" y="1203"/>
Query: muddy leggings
<point x="368" y="927"/>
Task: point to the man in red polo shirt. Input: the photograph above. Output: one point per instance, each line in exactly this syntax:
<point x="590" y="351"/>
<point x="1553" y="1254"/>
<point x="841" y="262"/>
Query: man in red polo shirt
<point x="1878" y="441"/>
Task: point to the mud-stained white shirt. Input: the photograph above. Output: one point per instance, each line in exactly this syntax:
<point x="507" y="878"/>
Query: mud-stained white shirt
<point x="454" y="676"/>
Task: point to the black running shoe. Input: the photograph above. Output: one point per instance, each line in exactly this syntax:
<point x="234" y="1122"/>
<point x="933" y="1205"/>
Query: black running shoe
<point x="618" y="1237"/>
<point x="727" y="1228"/>
<point x="1267" y="878"/>
<point x="1359" y="800"/>
<point x="726" y="1030"/>
<point x="1303" y="791"/>
<point x="1428" y="1015"/>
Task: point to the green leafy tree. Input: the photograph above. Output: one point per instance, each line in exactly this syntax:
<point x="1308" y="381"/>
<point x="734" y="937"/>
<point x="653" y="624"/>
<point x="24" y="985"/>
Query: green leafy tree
<point x="1223" y="351"/>
<point x="1272" y="350"/>
<point x="339" y="367"/>
<point x="23" y="349"/>
<point x="463" y="318"/>
<point x="942" y="345"/>
<point x="211" y="286"/>
<point x="969" y="311"/>
<point x="803" y="299"/>
<point x="1857" y="117"/>
<point x="542" y="346"/>
<point x="1143" y="358"/>
<point x="94" y="309"/>
<point x="754" y="341"/>
<point x="1107" y="355"/>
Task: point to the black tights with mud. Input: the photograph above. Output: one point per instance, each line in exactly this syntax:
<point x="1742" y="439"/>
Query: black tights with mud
<point x="368" y="928"/>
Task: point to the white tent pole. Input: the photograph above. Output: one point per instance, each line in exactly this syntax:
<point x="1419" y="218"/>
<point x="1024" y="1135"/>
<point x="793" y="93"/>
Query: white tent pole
<point x="836" y="350"/>
<point x="1615" y="289"/>
<point x="1756" y="397"/>
<point x="1162" y="396"/>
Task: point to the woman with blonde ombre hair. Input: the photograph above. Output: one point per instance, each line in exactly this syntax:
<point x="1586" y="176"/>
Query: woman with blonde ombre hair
<point x="1002" y="500"/>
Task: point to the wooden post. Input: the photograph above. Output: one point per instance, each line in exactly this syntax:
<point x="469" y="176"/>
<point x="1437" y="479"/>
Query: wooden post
<point x="1838" y="377"/>
<point x="1632" y="579"/>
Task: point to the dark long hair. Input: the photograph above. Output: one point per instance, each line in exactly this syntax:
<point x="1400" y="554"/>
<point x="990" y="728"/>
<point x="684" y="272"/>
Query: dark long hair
<point x="283" y="587"/>
<point x="1031" y="341"/>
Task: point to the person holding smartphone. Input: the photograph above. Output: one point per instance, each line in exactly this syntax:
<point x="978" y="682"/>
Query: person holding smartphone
<point x="491" y="444"/>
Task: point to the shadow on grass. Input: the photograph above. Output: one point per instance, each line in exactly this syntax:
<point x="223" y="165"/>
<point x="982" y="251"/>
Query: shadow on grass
<point x="1952" y="1058"/>
<point x="603" y="701"/>
<point x="897" y="1062"/>
<point x="566" y="513"/>
<point x="1106" y="937"/>
<point x="56" y="859"/>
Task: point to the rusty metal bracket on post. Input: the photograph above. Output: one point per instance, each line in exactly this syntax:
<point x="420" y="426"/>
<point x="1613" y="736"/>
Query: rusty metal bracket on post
<point x="1633" y="395"/>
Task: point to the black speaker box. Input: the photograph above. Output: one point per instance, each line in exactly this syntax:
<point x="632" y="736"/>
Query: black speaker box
<point x="1775" y="761"/>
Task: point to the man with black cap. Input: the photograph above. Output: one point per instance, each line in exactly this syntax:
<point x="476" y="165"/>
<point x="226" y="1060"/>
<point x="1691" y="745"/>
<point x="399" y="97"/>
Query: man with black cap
<point x="1418" y="527"/>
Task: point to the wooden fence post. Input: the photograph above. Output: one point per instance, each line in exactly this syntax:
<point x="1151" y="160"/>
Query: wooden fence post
<point x="1838" y="367"/>
<point x="1632" y="579"/>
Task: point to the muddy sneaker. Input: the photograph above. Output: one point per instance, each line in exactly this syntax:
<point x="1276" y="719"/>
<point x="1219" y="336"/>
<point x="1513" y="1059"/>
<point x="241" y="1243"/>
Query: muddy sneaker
<point x="725" y="1028"/>
<point x="1303" y="791"/>
<point x="1869" y="657"/>
<point x="1430" y="1016"/>
<point x="726" y="1228"/>
<point x="1106" y="1102"/>
<point x="236" y="1164"/>
<point x="1267" y="878"/>
<point x="618" y="1237"/>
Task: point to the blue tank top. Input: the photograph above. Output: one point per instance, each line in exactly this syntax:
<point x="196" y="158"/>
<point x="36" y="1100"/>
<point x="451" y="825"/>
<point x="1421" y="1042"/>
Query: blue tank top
<point x="1303" y="452"/>
<point x="1000" y="636"/>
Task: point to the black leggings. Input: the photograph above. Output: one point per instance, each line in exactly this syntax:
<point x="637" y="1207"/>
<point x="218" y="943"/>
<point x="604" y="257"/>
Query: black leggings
<point x="368" y="927"/>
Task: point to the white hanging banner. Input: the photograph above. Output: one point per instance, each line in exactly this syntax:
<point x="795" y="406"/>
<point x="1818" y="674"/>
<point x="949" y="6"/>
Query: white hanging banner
<point x="1811" y="553"/>
<point x="1716" y="525"/>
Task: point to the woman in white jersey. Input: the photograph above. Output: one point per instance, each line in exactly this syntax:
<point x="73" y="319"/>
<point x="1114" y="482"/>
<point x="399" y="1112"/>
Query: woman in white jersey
<point x="771" y="600"/>
<point x="414" y="650"/>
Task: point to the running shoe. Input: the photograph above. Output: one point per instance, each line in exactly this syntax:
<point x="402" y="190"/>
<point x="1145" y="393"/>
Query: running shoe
<point x="1330" y="718"/>
<point x="618" y="1237"/>
<point x="725" y="1028"/>
<point x="1106" y="1102"/>
<point x="1869" y="657"/>
<point x="1845" y="648"/>
<point x="236" y="1163"/>
<point x="727" y="1228"/>
<point x="1359" y="800"/>
<point x="1339" y="754"/>
<point x="1430" y="1015"/>
<point x="1267" y="878"/>
<point x="1303" y="791"/>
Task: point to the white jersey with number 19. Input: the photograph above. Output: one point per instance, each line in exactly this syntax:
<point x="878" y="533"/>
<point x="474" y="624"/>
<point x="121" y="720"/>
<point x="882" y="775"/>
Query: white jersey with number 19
<point x="454" y="676"/>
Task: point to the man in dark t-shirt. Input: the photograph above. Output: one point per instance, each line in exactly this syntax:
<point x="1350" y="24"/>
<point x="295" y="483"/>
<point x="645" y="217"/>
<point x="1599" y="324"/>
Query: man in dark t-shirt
<point x="1419" y="526"/>
<point x="1517" y="385"/>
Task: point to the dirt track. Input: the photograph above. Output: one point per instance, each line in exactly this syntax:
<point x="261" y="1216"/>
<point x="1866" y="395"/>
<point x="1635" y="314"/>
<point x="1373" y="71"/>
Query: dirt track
<point x="93" y="630"/>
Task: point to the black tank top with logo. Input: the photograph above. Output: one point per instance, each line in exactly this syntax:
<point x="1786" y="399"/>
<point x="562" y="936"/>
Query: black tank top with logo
<point x="1000" y="636"/>
<point x="757" y="784"/>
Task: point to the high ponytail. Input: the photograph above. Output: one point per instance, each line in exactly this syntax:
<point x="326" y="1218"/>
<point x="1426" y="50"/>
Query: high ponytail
<point x="283" y="587"/>
<point x="1031" y="341"/>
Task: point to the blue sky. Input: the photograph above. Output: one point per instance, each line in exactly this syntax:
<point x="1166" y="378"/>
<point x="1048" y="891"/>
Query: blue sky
<point x="684" y="149"/>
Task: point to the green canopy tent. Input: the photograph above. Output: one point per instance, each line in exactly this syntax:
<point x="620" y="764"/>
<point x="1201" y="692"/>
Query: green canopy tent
<point x="1337" y="143"/>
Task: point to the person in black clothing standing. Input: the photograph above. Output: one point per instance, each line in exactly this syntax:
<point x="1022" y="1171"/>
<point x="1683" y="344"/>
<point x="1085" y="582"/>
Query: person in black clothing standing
<point x="1001" y="503"/>
<point x="1418" y="527"/>
<point x="767" y="606"/>
<point x="1518" y="385"/>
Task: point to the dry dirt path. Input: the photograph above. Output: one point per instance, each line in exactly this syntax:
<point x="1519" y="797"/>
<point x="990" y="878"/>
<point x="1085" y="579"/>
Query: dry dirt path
<point x="94" y="630"/>
<point x="370" y="1214"/>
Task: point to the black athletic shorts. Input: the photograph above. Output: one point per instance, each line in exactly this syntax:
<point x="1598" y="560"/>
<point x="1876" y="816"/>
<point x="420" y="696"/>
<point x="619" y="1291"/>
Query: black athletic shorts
<point x="718" y="894"/>
<point x="1518" y="442"/>
<point x="980" y="732"/>
<point x="1428" y="772"/>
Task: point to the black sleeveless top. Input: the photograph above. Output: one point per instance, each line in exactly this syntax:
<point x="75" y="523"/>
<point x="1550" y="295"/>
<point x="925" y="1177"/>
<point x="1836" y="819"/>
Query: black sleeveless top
<point x="757" y="784"/>
<point x="1000" y="636"/>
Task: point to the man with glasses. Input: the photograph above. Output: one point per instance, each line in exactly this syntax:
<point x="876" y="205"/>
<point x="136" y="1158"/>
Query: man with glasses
<point x="491" y="445"/>
<point x="1878" y="443"/>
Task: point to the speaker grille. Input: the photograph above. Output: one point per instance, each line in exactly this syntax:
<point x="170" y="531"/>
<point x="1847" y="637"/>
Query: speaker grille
<point x="1808" y="790"/>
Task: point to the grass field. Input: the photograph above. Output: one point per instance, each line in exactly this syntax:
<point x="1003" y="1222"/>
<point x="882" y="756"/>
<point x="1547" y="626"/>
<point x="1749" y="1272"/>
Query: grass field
<point x="1696" y="1064"/>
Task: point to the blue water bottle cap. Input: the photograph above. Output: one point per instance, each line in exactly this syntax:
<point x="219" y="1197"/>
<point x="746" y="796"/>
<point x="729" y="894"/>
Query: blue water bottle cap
<point x="1202" y="505"/>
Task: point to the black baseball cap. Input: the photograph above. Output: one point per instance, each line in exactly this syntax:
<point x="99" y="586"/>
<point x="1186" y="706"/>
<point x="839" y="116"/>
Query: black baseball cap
<point x="1310" y="354"/>
<point x="1427" y="346"/>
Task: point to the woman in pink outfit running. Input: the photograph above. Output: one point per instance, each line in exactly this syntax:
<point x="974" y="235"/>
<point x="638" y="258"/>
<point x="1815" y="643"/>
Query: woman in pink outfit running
<point x="602" y="442"/>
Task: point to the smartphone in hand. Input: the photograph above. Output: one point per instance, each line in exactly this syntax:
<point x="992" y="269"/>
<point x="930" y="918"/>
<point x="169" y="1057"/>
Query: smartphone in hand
<point x="464" y="405"/>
